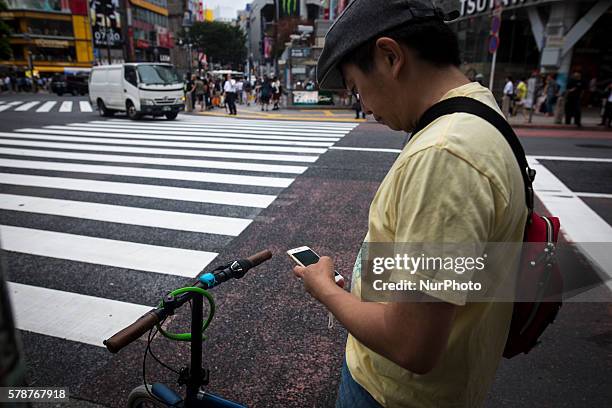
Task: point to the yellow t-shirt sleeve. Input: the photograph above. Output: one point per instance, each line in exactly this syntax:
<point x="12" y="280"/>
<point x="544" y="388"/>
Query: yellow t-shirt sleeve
<point x="442" y="198"/>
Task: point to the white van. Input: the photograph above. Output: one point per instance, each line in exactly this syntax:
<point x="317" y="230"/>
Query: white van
<point x="138" y="89"/>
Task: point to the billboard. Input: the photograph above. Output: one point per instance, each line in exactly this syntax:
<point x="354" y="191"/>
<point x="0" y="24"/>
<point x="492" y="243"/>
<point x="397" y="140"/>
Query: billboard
<point x="105" y="23"/>
<point x="289" y="8"/>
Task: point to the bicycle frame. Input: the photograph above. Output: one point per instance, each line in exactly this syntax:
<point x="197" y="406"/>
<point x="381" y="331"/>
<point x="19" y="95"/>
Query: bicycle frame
<point x="195" y="398"/>
<point x="194" y="376"/>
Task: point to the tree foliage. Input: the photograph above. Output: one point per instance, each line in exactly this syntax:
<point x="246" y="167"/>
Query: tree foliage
<point x="221" y="42"/>
<point x="5" y="47"/>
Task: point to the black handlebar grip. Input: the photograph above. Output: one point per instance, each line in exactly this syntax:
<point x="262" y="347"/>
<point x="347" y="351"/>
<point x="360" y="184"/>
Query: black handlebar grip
<point x="132" y="332"/>
<point x="260" y="257"/>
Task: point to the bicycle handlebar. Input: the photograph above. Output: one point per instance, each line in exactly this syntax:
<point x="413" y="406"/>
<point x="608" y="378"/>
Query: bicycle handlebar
<point x="259" y="257"/>
<point x="146" y="322"/>
<point x="133" y="331"/>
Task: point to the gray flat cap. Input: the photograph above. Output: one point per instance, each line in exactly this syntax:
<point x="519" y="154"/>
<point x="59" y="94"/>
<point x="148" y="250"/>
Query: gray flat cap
<point x="363" y="20"/>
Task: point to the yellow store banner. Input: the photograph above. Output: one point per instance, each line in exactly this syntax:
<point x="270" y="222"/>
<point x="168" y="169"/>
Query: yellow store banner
<point x="151" y="7"/>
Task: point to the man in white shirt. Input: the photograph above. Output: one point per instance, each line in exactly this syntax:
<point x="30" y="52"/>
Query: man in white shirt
<point x="229" y="88"/>
<point x="508" y="95"/>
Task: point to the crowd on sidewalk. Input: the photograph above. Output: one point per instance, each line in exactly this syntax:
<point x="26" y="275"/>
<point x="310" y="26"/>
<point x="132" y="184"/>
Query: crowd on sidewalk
<point x="21" y="83"/>
<point x="542" y="95"/>
<point x="207" y="93"/>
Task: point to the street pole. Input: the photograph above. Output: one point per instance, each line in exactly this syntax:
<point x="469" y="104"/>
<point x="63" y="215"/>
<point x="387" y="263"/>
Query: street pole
<point x="275" y="49"/>
<point x="492" y="77"/>
<point x="107" y="3"/>
<point x="494" y="39"/>
<point x="187" y="23"/>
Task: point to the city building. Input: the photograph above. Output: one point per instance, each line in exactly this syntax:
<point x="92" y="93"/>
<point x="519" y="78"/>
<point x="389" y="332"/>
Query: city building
<point x="262" y="27"/>
<point x="149" y="36"/>
<point x="551" y="36"/>
<point x="50" y="36"/>
<point x="183" y="12"/>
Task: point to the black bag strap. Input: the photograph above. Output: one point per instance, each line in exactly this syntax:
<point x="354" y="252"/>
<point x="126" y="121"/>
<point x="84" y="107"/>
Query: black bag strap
<point x="472" y="106"/>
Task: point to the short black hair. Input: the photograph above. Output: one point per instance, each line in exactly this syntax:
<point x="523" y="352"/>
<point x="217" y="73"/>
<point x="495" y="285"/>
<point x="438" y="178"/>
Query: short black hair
<point x="431" y="38"/>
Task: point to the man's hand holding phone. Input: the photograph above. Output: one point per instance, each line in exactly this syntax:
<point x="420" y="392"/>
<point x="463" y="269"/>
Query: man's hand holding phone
<point x="318" y="278"/>
<point x="316" y="273"/>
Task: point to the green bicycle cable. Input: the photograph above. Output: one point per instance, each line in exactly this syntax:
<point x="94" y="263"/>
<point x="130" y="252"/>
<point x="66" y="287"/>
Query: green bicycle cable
<point x="187" y="336"/>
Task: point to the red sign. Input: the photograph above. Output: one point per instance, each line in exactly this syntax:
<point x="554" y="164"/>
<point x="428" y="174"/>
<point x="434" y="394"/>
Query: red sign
<point x="142" y="44"/>
<point x="163" y="37"/>
<point x="495" y="26"/>
<point x="78" y="7"/>
<point x="267" y="47"/>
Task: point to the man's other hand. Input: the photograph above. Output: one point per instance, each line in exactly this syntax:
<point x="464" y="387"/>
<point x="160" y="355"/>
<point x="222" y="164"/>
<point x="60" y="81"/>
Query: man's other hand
<point x="317" y="277"/>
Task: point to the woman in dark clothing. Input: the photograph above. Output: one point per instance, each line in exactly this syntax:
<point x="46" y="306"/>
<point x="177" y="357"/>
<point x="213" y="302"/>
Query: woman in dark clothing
<point x="266" y="94"/>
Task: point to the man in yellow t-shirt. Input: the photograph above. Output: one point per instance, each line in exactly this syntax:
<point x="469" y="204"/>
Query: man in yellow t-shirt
<point x="456" y="181"/>
<point x="521" y="98"/>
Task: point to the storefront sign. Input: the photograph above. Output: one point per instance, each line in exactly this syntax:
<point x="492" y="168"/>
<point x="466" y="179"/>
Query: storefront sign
<point x="142" y="44"/>
<point x="326" y="98"/>
<point x="163" y="37"/>
<point x="51" y="43"/>
<point x="300" y="52"/>
<point x="472" y="7"/>
<point x="300" y="70"/>
<point x="305" y="97"/>
<point x="106" y="23"/>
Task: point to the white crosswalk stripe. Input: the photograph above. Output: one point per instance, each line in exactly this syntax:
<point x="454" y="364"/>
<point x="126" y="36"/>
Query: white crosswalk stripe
<point x="127" y="134"/>
<point x="131" y="255"/>
<point x="203" y="177"/>
<point x="205" y="224"/>
<point x="85" y="106"/>
<point x="237" y="166"/>
<point x="66" y="106"/>
<point x="156" y="151"/>
<point x="71" y="316"/>
<point x="104" y="138"/>
<point x="140" y="190"/>
<point x="189" y="131"/>
<point x="9" y="105"/>
<point x="26" y="106"/>
<point x="47" y="106"/>
<point x="128" y="175"/>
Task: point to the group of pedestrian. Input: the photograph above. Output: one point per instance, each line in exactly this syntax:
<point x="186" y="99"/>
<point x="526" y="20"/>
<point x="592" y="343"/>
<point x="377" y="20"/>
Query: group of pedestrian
<point x="208" y="93"/>
<point x="542" y="94"/>
<point x="517" y="97"/>
<point x="21" y="83"/>
<point x="268" y="90"/>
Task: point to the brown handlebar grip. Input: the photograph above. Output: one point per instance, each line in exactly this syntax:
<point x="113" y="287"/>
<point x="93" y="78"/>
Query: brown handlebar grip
<point x="260" y="257"/>
<point x="132" y="332"/>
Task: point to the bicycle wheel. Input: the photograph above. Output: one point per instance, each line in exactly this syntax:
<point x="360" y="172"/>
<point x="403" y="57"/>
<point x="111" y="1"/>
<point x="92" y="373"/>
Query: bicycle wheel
<point x="140" y="398"/>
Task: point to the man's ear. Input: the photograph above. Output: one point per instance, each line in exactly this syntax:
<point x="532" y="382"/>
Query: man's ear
<point x="393" y="55"/>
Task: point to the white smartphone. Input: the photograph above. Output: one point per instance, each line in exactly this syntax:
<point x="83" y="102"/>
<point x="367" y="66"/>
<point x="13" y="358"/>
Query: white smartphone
<point x="305" y="256"/>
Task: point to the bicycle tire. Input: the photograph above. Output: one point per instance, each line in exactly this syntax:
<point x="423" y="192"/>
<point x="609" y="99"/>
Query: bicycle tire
<point x="140" y="398"/>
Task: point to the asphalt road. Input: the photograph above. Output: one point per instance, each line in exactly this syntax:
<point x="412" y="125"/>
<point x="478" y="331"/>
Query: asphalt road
<point x="269" y="345"/>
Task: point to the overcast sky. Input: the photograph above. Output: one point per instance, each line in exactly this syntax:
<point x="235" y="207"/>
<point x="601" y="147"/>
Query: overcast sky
<point x="229" y="7"/>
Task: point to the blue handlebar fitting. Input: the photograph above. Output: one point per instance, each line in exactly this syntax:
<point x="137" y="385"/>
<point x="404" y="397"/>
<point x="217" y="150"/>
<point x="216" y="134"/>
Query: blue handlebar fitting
<point x="208" y="279"/>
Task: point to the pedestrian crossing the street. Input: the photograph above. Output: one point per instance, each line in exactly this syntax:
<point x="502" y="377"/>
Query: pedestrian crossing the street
<point x="46" y="106"/>
<point x="130" y="200"/>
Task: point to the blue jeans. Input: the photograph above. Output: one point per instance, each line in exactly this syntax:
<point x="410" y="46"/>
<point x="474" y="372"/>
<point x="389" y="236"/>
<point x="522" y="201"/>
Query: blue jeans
<point x="353" y="395"/>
